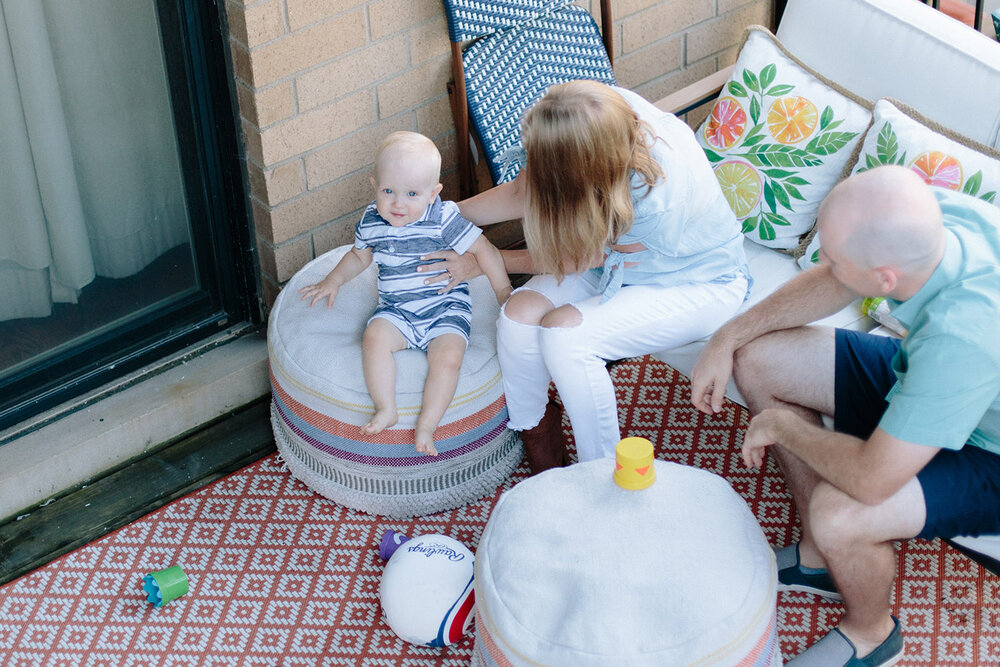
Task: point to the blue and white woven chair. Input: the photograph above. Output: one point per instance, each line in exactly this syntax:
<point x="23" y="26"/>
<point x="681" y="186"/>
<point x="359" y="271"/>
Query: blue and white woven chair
<point x="505" y="53"/>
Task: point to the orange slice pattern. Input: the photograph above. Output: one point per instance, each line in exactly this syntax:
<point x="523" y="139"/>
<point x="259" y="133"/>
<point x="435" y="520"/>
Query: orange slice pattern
<point x="791" y="119"/>
<point x="940" y="169"/>
<point x="726" y="123"/>
<point x="741" y="186"/>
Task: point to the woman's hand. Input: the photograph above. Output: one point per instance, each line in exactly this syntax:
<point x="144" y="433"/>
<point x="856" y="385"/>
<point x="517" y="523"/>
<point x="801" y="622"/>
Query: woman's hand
<point x="457" y="268"/>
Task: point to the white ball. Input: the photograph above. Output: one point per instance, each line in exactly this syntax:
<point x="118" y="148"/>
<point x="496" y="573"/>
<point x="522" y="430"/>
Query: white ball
<point x="426" y="591"/>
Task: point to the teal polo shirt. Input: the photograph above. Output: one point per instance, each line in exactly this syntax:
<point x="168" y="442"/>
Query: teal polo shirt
<point x="947" y="391"/>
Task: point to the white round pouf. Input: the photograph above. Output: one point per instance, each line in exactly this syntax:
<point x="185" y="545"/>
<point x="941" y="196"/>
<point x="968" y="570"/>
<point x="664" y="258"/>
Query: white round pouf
<point x="320" y="401"/>
<point x="574" y="570"/>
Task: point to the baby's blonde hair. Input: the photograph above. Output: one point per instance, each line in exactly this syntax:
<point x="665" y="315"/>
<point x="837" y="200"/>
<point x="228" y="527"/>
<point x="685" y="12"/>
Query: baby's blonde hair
<point x="411" y="146"/>
<point x="582" y="142"/>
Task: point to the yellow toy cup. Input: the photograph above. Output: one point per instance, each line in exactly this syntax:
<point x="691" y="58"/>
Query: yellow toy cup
<point x="634" y="467"/>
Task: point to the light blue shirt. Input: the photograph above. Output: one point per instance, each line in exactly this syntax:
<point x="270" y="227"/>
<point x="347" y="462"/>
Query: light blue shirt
<point x="947" y="391"/>
<point x="684" y="221"/>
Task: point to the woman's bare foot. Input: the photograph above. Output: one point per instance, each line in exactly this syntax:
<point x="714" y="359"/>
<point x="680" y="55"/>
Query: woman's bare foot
<point x="381" y="420"/>
<point x="424" y="441"/>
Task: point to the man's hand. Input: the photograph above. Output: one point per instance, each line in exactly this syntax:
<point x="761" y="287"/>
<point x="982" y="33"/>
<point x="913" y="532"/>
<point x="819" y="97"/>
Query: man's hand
<point x="763" y="432"/>
<point x="711" y="374"/>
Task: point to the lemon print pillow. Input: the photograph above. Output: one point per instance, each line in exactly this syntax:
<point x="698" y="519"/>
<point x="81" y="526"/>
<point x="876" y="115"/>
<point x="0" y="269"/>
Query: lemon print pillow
<point x="900" y="135"/>
<point x="779" y="136"/>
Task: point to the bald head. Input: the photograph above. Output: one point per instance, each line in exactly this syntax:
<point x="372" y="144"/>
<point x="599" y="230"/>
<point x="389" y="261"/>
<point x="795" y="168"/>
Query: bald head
<point x="883" y="217"/>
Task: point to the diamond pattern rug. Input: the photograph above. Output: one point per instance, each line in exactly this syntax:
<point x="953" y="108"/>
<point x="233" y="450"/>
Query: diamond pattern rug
<point x="281" y="576"/>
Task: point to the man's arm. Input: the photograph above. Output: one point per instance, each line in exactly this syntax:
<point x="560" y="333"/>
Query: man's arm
<point x="870" y="471"/>
<point x="809" y="296"/>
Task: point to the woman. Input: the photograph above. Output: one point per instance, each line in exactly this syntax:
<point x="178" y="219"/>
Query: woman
<point x="633" y="247"/>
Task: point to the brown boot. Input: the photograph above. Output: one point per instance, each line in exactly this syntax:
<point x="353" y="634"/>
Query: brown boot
<point x="544" y="444"/>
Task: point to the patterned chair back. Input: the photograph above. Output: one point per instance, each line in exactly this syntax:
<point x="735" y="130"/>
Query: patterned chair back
<point x="518" y="48"/>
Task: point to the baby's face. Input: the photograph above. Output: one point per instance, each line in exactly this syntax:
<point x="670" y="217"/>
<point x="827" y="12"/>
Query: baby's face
<point x="404" y="189"/>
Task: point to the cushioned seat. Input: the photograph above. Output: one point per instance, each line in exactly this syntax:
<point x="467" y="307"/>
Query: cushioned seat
<point x="320" y="400"/>
<point x="574" y="570"/>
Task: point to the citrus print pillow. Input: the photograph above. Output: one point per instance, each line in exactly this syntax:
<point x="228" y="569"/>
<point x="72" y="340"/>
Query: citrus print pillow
<point x="900" y="135"/>
<point x="779" y="137"/>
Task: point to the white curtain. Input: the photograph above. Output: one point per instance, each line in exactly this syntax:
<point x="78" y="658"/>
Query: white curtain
<point x="90" y="180"/>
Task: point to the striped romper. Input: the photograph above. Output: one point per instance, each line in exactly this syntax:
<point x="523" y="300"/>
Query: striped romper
<point x="416" y="309"/>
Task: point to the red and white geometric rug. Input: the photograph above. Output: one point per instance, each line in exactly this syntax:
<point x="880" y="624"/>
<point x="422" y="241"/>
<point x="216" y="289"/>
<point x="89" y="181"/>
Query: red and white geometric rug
<point x="281" y="576"/>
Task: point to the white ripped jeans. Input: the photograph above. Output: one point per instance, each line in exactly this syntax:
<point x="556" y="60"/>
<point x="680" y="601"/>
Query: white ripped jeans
<point x="638" y="320"/>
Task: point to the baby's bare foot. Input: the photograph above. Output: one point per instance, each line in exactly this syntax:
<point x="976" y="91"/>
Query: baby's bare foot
<point x="381" y="420"/>
<point x="424" y="441"/>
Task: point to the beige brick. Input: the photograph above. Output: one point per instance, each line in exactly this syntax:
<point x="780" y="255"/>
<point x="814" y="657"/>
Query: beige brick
<point x="728" y="57"/>
<point x="242" y="68"/>
<point x="307" y="48"/>
<point x="429" y="40"/>
<point x="434" y="119"/>
<point x="262" y="221"/>
<point x="674" y="81"/>
<point x="264" y="22"/>
<point x="252" y="141"/>
<point x="271" y="290"/>
<point x="304" y="132"/>
<point x="650" y="63"/>
<point x="275" y="103"/>
<point x="337" y="233"/>
<point x="414" y="87"/>
<point x="290" y="257"/>
<point x="258" y="185"/>
<point x="318" y="207"/>
<point x="237" y="20"/>
<point x="724" y="32"/>
<point x="664" y="19"/>
<point x="350" y="153"/>
<point x="350" y="73"/>
<point x="284" y="182"/>
<point x="391" y="16"/>
<point x="265" y="257"/>
<point x="621" y="9"/>
<point x="248" y="106"/>
<point x="726" y="6"/>
<point x="302" y="13"/>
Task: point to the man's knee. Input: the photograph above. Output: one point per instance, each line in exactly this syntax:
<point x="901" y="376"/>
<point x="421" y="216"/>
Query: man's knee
<point x="836" y="519"/>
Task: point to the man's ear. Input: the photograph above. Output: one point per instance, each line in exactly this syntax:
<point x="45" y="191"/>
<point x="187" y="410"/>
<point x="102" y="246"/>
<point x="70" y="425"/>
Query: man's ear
<point x="888" y="279"/>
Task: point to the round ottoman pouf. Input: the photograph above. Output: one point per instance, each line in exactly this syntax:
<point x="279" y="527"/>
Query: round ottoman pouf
<point x="574" y="570"/>
<point x="320" y="401"/>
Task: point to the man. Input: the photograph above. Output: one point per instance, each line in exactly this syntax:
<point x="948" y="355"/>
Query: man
<point x="916" y="446"/>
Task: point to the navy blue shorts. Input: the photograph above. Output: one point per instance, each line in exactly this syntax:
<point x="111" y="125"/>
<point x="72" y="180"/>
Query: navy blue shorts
<point x="961" y="488"/>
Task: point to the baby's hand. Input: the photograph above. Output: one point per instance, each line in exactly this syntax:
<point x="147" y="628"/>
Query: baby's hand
<point x="325" y="289"/>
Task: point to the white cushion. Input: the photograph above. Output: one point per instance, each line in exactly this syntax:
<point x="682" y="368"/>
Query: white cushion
<point x="904" y="50"/>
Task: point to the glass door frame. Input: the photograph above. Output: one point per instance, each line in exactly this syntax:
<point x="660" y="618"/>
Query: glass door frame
<point x="195" y="36"/>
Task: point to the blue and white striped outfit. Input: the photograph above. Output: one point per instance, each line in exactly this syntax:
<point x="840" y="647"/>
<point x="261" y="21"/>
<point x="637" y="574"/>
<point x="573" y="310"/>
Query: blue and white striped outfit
<point x="416" y="309"/>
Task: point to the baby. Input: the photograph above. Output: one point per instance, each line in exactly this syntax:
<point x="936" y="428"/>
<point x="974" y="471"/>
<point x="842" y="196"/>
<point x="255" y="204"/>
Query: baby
<point x="406" y="221"/>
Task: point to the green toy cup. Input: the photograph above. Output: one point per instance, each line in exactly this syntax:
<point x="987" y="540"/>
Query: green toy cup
<point x="165" y="586"/>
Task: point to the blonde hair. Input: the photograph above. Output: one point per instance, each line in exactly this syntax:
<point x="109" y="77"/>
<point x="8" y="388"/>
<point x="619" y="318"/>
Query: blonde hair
<point x="582" y="142"/>
<point x="403" y="145"/>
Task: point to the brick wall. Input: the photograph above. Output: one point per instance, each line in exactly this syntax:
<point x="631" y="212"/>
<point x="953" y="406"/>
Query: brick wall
<point x="320" y="82"/>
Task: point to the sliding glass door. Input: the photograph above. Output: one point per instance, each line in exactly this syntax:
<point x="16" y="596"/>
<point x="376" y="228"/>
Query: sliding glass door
<point x="123" y="224"/>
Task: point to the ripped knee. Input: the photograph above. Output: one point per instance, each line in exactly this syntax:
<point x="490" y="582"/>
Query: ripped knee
<point x="562" y="317"/>
<point x="527" y="306"/>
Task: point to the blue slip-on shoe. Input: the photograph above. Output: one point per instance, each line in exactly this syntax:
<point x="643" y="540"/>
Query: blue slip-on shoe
<point x="792" y="578"/>
<point x="834" y="650"/>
